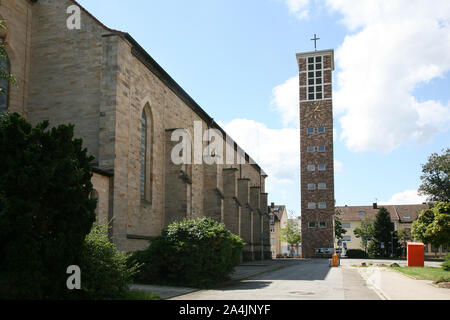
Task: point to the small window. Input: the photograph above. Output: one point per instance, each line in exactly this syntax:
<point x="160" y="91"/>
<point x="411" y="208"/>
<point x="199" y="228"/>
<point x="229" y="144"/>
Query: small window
<point x="311" y="60"/>
<point x="322" y="167"/>
<point x="322" y="225"/>
<point x="310" y="75"/>
<point x="319" y="96"/>
<point x="346" y="225"/>
<point x="272" y="230"/>
<point x="310" y="67"/>
<point x="346" y="238"/>
<point x="311" y="96"/>
<point x="321" y="130"/>
<point x="319" y="81"/>
<point x="322" y="186"/>
<point x="318" y="59"/>
<point x="322" y="205"/>
<point x="311" y="167"/>
<point x="311" y="205"/>
<point x="319" y="89"/>
<point x="361" y="213"/>
<point x="318" y="66"/>
<point x="312" y="225"/>
<point x="319" y="74"/>
<point x="311" y="89"/>
<point x="311" y="149"/>
<point x="311" y="82"/>
<point x="311" y="130"/>
<point x="407" y="217"/>
<point x="311" y="186"/>
<point x="321" y="149"/>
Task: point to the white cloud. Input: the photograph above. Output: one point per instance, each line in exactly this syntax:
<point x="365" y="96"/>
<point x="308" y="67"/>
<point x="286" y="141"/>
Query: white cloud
<point x="338" y="166"/>
<point x="299" y="8"/>
<point x="394" y="47"/>
<point x="286" y="101"/>
<point x="405" y="197"/>
<point x="277" y="151"/>
<point x="400" y="45"/>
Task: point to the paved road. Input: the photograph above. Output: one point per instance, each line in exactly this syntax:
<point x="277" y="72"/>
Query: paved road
<point x="308" y="280"/>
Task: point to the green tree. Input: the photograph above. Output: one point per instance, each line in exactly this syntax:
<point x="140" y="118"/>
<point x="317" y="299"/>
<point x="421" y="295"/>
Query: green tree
<point x="365" y="231"/>
<point x="45" y="207"/>
<point x="382" y="234"/>
<point x="291" y="233"/>
<point x="436" y="177"/>
<point x="433" y="225"/>
<point x="338" y="230"/>
<point x="404" y="235"/>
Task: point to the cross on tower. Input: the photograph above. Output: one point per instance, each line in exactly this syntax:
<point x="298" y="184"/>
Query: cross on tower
<point x="315" y="41"/>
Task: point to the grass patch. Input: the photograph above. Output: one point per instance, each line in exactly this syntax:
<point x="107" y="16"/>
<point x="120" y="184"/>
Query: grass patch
<point x="425" y="273"/>
<point x="141" y="295"/>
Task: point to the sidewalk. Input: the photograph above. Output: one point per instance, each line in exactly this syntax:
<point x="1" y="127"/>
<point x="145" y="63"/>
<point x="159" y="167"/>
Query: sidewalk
<point x="393" y="285"/>
<point x="241" y="272"/>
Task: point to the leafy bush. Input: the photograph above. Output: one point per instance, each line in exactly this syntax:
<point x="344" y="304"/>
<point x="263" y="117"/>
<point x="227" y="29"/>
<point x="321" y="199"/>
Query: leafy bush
<point x="45" y="209"/>
<point x="197" y="253"/>
<point x="104" y="270"/>
<point x="356" y="253"/>
<point x="446" y="264"/>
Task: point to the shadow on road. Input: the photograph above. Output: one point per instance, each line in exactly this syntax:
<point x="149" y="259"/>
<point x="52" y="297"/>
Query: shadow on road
<point x="248" y="285"/>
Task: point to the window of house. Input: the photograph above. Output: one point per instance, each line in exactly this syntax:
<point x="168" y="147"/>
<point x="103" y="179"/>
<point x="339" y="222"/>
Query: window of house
<point x="311" y="130"/>
<point x="311" y="186"/>
<point x="321" y="130"/>
<point x="311" y="205"/>
<point x="311" y="149"/>
<point x="322" y="186"/>
<point x="311" y="167"/>
<point x="322" y="167"/>
<point x="322" y="205"/>
<point x="347" y="238"/>
<point x="407" y="217"/>
<point x="322" y="225"/>
<point x="272" y="230"/>
<point x="312" y="225"/>
<point x="4" y="84"/>
<point x="321" y="149"/>
<point x="361" y="213"/>
<point x="346" y="225"/>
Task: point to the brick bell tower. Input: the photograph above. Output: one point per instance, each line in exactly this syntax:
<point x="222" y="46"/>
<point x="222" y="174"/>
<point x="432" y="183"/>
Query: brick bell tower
<point x="317" y="154"/>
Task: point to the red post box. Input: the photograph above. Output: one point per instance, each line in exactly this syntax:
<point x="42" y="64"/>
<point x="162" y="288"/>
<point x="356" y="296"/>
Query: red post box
<point x="416" y="254"/>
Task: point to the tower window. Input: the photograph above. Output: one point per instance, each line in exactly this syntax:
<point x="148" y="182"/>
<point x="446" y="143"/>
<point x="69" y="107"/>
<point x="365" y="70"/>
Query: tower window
<point x="322" y="167"/>
<point x="311" y="130"/>
<point x="311" y="149"/>
<point x="310" y="67"/>
<point x="322" y="205"/>
<point x="311" y="60"/>
<point x="318" y="59"/>
<point x="312" y="225"/>
<point x="321" y="149"/>
<point x="311" y="187"/>
<point x="322" y="186"/>
<point x="321" y="130"/>
<point x="311" y="96"/>
<point x="322" y="225"/>
<point x="311" y="205"/>
<point x="311" y="167"/>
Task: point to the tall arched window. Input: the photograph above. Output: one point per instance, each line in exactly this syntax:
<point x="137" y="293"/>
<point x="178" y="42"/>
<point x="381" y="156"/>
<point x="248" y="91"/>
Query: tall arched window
<point x="146" y="178"/>
<point x="4" y="80"/>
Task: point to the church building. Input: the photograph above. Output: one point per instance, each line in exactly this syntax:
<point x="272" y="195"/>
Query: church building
<point x="126" y="108"/>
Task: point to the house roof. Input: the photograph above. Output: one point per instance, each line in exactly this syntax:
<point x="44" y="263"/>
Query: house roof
<point x="278" y="211"/>
<point x="398" y="213"/>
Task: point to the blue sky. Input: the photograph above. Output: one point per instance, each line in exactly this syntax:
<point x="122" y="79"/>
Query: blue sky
<point x="237" y="60"/>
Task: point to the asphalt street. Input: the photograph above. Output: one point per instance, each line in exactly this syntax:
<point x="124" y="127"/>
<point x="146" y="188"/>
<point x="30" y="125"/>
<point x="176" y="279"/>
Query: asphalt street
<point x="308" y="280"/>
